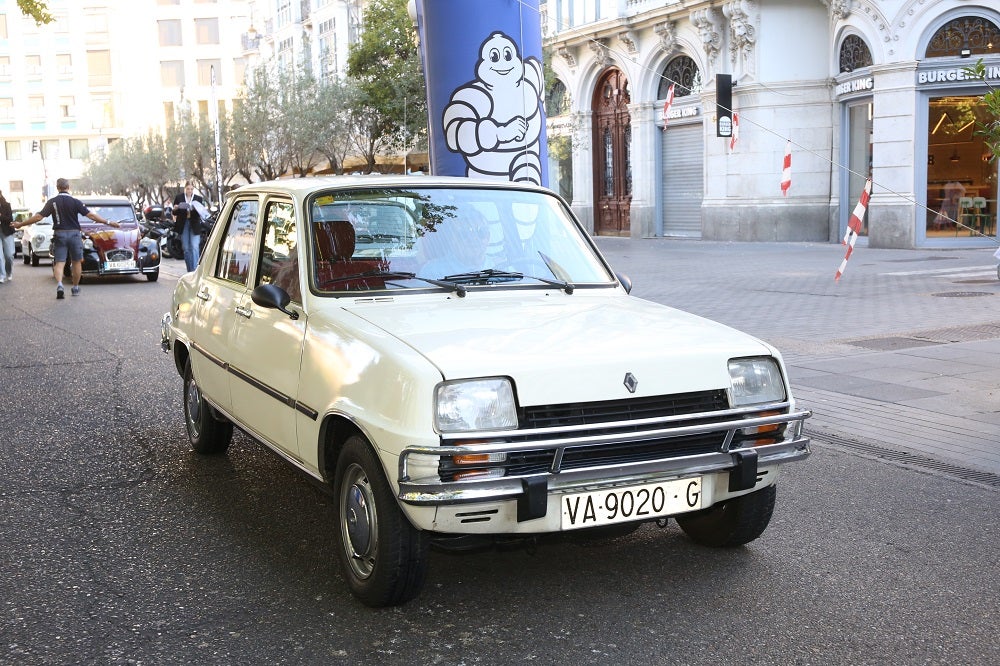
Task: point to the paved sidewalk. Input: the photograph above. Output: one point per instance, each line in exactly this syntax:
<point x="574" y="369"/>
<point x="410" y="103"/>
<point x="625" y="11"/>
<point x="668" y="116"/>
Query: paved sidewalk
<point x="899" y="359"/>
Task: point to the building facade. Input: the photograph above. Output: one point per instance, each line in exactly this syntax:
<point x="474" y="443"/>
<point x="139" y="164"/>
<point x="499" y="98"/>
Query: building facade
<point x="103" y="70"/>
<point x="854" y="88"/>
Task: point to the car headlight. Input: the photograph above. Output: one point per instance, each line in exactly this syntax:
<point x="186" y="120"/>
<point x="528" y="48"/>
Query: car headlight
<point x="88" y="244"/>
<point x="39" y="239"/>
<point x="755" y="381"/>
<point x="475" y="404"/>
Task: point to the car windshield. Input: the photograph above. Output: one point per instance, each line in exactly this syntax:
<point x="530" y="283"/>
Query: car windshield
<point x="416" y="238"/>
<point x="112" y="212"/>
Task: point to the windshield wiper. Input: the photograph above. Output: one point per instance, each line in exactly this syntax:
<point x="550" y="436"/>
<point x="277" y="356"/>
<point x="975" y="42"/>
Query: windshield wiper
<point x="494" y="274"/>
<point x="403" y="275"/>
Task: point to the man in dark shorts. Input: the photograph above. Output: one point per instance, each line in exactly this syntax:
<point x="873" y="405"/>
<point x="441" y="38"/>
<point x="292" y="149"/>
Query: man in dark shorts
<point x="67" y="241"/>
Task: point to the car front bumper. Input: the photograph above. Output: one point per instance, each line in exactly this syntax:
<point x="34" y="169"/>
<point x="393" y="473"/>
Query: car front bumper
<point x="727" y="471"/>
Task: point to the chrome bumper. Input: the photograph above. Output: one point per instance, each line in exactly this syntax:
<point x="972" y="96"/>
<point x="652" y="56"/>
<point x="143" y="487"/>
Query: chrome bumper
<point x="165" y="321"/>
<point x="740" y="463"/>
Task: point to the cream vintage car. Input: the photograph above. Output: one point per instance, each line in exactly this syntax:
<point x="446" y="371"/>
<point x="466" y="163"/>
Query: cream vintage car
<point x="457" y="360"/>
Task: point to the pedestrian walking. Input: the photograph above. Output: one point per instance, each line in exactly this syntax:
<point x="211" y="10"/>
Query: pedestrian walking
<point x="67" y="238"/>
<point x="189" y="211"/>
<point x="6" y="240"/>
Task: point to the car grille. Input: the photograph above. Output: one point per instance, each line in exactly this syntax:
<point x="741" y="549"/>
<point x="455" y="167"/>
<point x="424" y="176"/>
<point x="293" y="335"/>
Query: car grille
<point x="622" y="418"/>
<point x="119" y="254"/>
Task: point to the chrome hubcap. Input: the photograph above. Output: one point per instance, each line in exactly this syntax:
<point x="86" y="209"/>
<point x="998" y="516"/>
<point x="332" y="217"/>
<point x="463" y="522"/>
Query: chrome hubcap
<point x="358" y="521"/>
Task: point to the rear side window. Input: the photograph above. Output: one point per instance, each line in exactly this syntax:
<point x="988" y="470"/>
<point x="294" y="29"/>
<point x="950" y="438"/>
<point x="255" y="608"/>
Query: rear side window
<point x="237" y="248"/>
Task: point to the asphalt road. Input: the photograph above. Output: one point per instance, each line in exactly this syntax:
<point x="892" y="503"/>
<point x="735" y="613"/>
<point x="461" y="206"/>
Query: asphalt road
<point x="121" y="546"/>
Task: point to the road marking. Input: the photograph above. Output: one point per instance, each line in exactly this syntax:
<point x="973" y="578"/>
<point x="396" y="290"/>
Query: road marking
<point x="968" y="271"/>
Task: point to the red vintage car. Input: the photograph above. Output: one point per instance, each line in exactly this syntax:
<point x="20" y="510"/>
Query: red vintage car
<point x="121" y="251"/>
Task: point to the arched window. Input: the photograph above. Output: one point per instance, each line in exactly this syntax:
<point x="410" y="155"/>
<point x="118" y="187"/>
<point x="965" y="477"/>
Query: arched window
<point x="854" y="54"/>
<point x="965" y="36"/>
<point x="557" y="99"/>
<point x="684" y="72"/>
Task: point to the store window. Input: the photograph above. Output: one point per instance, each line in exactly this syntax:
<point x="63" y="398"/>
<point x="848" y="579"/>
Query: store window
<point x="961" y="178"/>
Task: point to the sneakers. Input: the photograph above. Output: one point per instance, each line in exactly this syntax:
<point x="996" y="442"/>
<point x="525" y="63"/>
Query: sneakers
<point x="75" y="291"/>
<point x="59" y="292"/>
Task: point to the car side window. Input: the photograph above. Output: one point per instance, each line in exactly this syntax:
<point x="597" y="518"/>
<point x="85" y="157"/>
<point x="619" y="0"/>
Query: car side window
<point x="236" y="251"/>
<point x="279" y="260"/>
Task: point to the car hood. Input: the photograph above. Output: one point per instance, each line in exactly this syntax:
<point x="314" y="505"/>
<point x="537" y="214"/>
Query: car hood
<point x="105" y="237"/>
<point x="566" y="348"/>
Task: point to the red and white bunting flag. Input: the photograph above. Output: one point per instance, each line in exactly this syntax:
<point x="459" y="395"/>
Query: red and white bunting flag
<point x="786" y="170"/>
<point x="667" y="104"/>
<point x="736" y="131"/>
<point x="854" y="226"/>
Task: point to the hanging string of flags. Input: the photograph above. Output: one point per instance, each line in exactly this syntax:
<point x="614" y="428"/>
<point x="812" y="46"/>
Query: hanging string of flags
<point x="667" y="104"/>
<point x="854" y="226"/>
<point x="786" y="169"/>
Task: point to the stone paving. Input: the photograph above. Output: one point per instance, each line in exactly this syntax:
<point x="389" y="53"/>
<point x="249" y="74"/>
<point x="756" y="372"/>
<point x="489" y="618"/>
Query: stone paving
<point x="900" y="358"/>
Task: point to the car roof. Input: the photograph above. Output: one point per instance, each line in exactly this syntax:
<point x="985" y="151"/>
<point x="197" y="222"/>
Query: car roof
<point x="304" y="186"/>
<point x="106" y="201"/>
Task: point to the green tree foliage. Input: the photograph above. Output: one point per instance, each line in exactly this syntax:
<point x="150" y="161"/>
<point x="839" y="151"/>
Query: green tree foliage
<point x="136" y="167"/>
<point x="36" y="10"/>
<point x="988" y="129"/>
<point x="390" y="105"/>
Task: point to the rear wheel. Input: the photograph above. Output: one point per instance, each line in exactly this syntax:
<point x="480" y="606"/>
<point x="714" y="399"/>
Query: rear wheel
<point x="382" y="555"/>
<point x="208" y="434"/>
<point x="731" y="523"/>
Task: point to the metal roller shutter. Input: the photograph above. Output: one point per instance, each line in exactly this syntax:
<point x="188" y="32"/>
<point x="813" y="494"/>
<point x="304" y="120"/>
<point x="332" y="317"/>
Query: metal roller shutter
<point x="683" y="185"/>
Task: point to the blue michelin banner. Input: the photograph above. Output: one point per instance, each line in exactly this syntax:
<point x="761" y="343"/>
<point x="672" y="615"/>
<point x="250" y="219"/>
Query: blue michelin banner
<point x="483" y="67"/>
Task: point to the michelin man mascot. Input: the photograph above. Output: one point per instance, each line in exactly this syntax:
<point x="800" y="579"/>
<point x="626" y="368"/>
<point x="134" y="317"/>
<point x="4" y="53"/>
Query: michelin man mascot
<point x="495" y="121"/>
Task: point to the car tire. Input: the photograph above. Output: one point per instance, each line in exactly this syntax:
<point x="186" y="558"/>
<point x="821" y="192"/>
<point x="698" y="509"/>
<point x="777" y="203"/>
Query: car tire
<point x="154" y="276"/>
<point x="208" y="434"/>
<point x="731" y="523"/>
<point x="26" y="253"/>
<point x="34" y="259"/>
<point x="384" y="557"/>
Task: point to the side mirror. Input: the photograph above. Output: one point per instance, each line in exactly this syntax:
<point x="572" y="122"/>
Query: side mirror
<point x="625" y="280"/>
<point x="273" y="296"/>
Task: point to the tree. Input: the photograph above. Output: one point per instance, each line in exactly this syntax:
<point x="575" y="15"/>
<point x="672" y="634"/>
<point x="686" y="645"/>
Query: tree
<point x="256" y="135"/>
<point x="36" y="10"/>
<point x="391" y="103"/>
<point x="988" y="129"/>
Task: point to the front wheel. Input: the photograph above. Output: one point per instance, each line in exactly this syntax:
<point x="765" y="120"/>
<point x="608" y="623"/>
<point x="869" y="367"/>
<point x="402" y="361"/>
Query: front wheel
<point x="731" y="523"/>
<point x="208" y="434"/>
<point x="26" y="253"/>
<point x="34" y="259"/>
<point x="154" y="276"/>
<point x="382" y="555"/>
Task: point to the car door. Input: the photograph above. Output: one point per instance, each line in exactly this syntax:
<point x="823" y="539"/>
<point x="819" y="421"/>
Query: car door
<point x="266" y="344"/>
<point x="220" y="297"/>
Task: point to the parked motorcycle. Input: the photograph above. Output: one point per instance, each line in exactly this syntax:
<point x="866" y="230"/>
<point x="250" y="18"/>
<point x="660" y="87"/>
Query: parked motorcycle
<point x="160" y="225"/>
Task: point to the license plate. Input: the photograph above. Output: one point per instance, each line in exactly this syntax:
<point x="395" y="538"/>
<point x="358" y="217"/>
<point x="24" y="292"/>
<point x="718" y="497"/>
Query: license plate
<point x="119" y="265"/>
<point x="619" y="505"/>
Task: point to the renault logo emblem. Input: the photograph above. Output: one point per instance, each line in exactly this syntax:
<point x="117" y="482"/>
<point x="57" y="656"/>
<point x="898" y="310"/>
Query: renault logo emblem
<point x="631" y="383"/>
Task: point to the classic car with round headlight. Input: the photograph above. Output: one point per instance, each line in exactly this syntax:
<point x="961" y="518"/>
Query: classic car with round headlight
<point x="116" y="251"/>
<point x="457" y="361"/>
<point x="36" y="241"/>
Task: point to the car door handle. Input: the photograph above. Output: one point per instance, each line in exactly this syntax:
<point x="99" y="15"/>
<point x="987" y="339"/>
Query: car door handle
<point x="244" y="312"/>
<point x="203" y="294"/>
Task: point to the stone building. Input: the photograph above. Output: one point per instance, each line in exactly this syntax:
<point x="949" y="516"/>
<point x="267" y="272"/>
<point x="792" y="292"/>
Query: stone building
<point x="855" y="88"/>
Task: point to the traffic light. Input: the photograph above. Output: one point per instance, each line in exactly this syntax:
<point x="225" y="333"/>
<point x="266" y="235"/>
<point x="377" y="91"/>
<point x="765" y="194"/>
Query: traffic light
<point x="34" y="146"/>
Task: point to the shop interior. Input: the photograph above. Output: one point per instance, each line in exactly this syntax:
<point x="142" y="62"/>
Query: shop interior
<point x="961" y="177"/>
